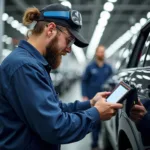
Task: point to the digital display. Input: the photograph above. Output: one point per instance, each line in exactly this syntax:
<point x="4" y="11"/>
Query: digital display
<point x="117" y="94"/>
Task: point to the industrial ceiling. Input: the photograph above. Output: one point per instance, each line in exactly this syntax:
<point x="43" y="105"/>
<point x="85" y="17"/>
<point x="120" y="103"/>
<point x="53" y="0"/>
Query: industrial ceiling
<point x="124" y="15"/>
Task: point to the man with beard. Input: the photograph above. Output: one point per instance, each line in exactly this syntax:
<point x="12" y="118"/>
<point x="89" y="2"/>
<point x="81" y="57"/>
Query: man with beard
<point x="31" y="115"/>
<point x="95" y="75"/>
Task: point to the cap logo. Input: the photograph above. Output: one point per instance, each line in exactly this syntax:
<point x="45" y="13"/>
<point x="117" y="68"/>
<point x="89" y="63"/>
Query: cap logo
<point x="76" y="17"/>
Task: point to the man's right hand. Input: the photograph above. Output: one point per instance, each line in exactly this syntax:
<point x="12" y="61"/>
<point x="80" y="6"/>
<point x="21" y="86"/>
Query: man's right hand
<point x="106" y="109"/>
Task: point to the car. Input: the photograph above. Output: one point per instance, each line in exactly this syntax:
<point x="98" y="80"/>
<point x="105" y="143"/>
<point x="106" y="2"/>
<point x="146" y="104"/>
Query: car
<point x="120" y="132"/>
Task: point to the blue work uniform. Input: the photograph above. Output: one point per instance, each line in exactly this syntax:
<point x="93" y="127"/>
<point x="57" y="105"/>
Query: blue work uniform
<point x="31" y="115"/>
<point x="92" y="81"/>
<point x="94" y="77"/>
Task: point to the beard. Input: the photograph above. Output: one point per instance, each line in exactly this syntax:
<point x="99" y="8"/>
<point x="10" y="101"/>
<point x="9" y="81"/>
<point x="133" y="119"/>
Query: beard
<point x="100" y="58"/>
<point x="53" y="55"/>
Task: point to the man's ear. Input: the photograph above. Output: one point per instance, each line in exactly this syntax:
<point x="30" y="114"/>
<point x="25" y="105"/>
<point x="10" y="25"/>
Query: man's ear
<point x="51" y="28"/>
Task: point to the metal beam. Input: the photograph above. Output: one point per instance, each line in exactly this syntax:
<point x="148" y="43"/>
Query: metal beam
<point x="21" y="5"/>
<point x="94" y="18"/>
<point x="116" y="17"/>
<point x="43" y="2"/>
<point x="81" y="7"/>
<point x="1" y="28"/>
<point x="134" y="15"/>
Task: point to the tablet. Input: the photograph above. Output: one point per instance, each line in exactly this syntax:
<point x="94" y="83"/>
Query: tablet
<point x="119" y="93"/>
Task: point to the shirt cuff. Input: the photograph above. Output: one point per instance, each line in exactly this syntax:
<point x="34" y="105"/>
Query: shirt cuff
<point x="94" y="114"/>
<point x="85" y="105"/>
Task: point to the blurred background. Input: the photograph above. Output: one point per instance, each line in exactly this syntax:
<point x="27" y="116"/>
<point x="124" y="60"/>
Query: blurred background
<point x="109" y="22"/>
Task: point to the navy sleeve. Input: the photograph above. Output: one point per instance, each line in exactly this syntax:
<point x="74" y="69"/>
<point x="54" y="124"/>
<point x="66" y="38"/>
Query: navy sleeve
<point x="84" y="81"/>
<point x="111" y="71"/>
<point x="76" y="106"/>
<point x="35" y="103"/>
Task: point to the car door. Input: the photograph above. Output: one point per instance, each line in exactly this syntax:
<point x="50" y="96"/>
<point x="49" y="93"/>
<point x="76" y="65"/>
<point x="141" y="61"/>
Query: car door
<point x="140" y="78"/>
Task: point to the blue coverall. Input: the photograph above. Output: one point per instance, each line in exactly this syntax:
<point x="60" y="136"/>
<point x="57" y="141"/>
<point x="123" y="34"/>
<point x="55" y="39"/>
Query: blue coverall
<point x="31" y="115"/>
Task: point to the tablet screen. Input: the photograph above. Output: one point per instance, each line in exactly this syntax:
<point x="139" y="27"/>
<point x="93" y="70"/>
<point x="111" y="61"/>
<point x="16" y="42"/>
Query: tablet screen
<point x="117" y="94"/>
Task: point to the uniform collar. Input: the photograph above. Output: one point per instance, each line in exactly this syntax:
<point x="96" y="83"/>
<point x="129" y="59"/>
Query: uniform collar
<point x="35" y="53"/>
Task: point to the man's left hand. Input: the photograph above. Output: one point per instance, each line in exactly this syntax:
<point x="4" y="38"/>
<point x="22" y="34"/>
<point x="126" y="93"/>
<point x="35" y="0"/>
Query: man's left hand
<point x="137" y="112"/>
<point x="98" y="97"/>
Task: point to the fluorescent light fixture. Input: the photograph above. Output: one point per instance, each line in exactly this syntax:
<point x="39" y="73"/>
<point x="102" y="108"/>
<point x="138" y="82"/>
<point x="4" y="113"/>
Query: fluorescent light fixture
<point x="117" y="65"/>
<point x="66" y="3"/>
<point x="8" y="40"/>
<point x="5" y="16"/>
<point x="79" y="54"/>
<point x="147" y="43"/>
<point x="138" y="26"/>
<point x="105" y="14"/>
<point x="19" y="26"/>
<point x="125" y="37"/>
<point x="134" y="39"/>
<point x="126" y="53"/>
<point x="133" y="30"/>
<point x="102" y="22"/>
<point x="4" y="37"/>
<point x="23" y="30"/>
<point x="118" y="43"/>
<point x="108" y="6"/>
<point x="99" y="29"/>
<point x="113" y="1"/>
<point x="143" y="21"/>
<point x="6" y="52"/>
<point x="147" y="57"/>
<point x="9" y="20"/>
<point x="94" y="42"/>
<point x="15" y="24"/>
<point x="148" y="15"/>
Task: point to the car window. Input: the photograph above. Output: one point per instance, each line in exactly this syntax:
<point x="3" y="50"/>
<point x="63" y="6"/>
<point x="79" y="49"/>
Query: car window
<point x="147" y="60"/>
<point x="143" y="54"/>
<point x="125" y="53"/>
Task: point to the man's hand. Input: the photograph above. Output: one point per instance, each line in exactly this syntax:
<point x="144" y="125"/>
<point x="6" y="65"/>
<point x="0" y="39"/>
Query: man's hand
<point x="98" y="96"/>
<point x="137" y="112"/>
<point x="106" y="109"/>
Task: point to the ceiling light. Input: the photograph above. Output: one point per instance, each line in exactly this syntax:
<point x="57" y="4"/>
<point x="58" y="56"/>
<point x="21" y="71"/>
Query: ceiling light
<point x="133" y="30"/>
<point x="6" y="52"/>
<point x="143" y="21"/>
<point x="5" y="16"/>
<point x="94" y="42"/>
<point x="8" y="40"/>
<point x="9" y="20"/>
<point x="105" y="14"/>
<point x="148" y="15"/>
<point x="15" y="24"/>
<point x="66" y="3"/>
<point x="108" y="6"/>
<point x="19" y="26"/>
<point x="4" y="37"/>
<point x="113" y="1"/>
<point x="23" y="30"/>
<point x="102" y="22"/>
<point x="138" y="26"/>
